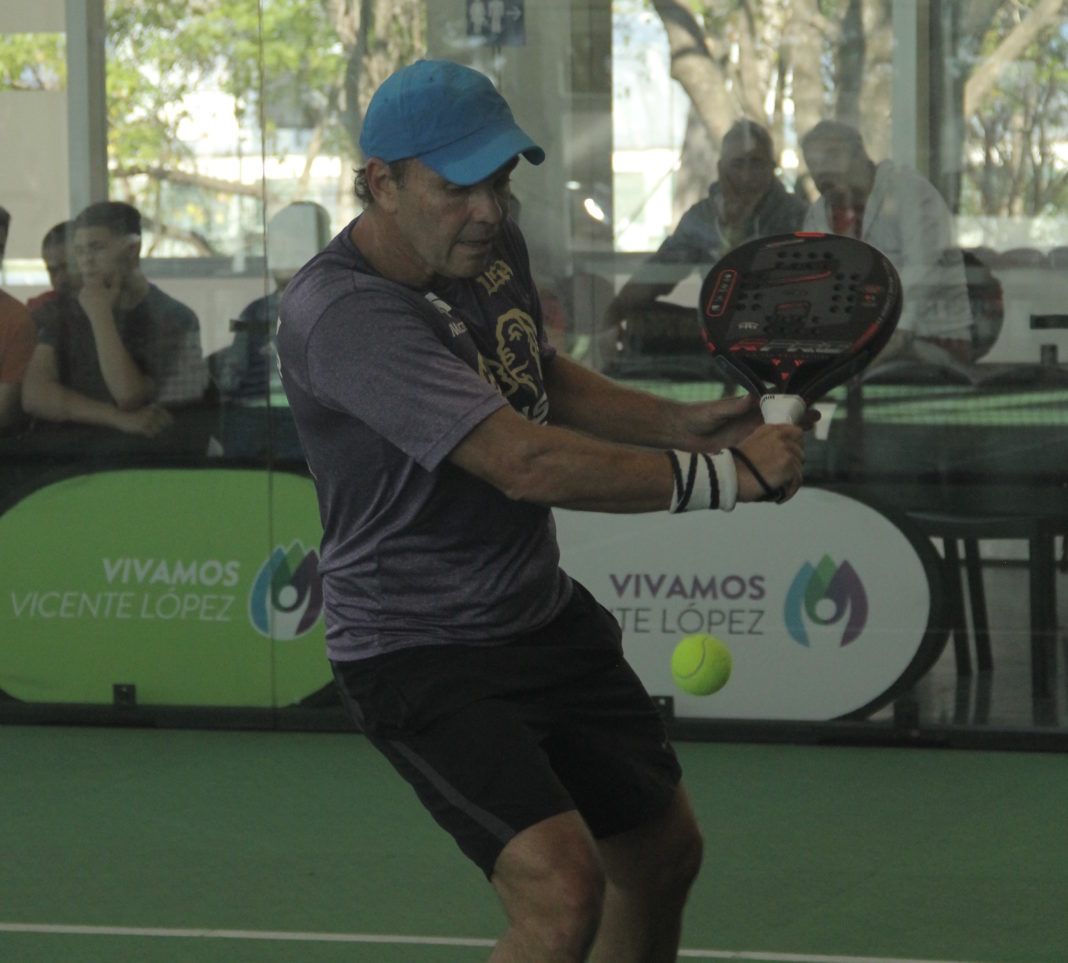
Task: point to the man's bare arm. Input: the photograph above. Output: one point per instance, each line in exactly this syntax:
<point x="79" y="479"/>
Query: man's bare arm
<point x="130" y="387"/>
<point x="551" y="465"/>
<point x="589" y="402"/>
<point x="44" y="397"/>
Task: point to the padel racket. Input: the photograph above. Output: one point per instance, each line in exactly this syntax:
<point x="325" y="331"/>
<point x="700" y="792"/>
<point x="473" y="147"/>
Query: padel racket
<point x="793" y="315"/>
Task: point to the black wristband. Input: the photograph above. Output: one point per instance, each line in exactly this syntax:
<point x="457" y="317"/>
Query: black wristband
<point x="772" y="494"/>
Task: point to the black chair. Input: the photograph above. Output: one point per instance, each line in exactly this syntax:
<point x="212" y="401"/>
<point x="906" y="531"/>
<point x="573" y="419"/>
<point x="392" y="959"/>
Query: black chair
<point x="1058" y="257"/>
<point x="966" y="531"/>
<point x="1021" y="257"/>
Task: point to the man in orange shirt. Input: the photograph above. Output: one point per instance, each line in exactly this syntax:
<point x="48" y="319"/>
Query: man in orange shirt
<point x="16" y="343"/>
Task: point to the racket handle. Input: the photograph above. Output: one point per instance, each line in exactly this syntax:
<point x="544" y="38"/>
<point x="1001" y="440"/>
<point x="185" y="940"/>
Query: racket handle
<point x="782" y="409"/>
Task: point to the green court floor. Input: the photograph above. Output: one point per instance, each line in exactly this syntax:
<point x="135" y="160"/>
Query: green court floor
<point x="230" y="846"/>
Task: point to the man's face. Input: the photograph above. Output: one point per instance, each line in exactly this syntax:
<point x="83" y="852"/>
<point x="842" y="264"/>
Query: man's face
<point x="57" y="262"/>
<point x="449" y="230"/>
<point x="838" y="171"/>
<point x="102" y="256"/>
<point x="746" y="170"/>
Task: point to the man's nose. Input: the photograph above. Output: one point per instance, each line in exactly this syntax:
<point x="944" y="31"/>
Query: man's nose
<point x="487" y="205"/>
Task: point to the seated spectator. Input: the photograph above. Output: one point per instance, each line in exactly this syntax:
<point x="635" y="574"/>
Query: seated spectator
<point x="16" y="343"/>
<point x="58" y="262"/>
<point x="897" y="210"/>
<point x="246" y="371"/>
<point x="747" y="201"/>
<point x="114" y="352"/>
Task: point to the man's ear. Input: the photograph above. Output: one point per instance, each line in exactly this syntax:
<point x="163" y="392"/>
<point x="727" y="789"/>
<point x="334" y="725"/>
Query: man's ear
<point x="132" y="251"/>
<point x="382" y="184"/>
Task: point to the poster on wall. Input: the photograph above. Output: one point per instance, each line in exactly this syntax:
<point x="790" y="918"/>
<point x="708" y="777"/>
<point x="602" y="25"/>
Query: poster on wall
<point x="499" y="23"/>
<point x="176" y="587"/>
<point x="825" y="603"/>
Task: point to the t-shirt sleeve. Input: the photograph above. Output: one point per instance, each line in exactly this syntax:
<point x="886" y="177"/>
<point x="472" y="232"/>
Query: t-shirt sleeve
<point x="398" y="377"/>
<point x="46" y="320"/>
<point x="174" y="358"/>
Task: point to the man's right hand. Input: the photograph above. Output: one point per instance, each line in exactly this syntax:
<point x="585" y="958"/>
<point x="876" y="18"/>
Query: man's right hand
<point x="778" y="452"/>
<point x="98" y="296"/>
<point x="148" y="421"/>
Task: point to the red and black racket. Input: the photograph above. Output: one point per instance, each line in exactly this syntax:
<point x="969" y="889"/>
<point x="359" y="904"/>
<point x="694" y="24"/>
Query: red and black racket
<point x="793" y="315"/>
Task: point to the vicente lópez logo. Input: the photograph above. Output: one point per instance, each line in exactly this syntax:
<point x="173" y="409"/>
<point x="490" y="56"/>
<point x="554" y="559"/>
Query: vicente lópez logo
<point x="287" y="596"/>
<point x="824" y="595"/>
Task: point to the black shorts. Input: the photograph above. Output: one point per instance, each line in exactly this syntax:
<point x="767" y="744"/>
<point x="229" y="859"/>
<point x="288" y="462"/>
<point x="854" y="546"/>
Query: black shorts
<point x="497" y="738"/>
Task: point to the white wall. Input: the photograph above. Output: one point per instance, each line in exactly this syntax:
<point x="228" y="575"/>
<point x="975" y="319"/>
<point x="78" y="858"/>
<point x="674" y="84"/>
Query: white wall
<point x="34" y="181"/>
<point x="33" y="177"/>
<point x="32" y="16"/>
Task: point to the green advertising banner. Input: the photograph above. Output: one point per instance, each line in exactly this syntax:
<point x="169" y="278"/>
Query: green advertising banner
<point x="197" y="586"/>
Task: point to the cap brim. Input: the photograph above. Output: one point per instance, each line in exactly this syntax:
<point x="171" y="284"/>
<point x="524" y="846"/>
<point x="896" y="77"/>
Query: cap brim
<point x="475" y="157"/>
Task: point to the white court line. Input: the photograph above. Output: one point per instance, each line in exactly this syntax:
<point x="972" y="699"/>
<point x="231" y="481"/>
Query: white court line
<point x="398" y="939"/>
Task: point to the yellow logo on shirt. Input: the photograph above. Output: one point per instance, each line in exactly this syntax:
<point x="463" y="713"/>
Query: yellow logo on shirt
<point x="497" y="274"/>
<point x="516" y="369"/>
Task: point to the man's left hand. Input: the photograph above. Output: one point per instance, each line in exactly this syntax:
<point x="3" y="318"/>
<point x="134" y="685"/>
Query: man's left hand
<point x="717" y="425"/>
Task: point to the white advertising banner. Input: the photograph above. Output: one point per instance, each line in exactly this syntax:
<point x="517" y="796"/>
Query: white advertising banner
<point x="824" y="602"/>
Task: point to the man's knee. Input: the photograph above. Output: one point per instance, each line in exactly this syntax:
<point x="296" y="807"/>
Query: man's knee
<point x="552" y="883"/>
<point x="660" y="858"/>
<point x="687" y="853"/>
<point x="675" y="857"/>
<point x="574" y="896"/>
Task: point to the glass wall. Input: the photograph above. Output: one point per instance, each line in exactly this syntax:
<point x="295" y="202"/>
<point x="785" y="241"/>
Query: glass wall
<point x="149" y="458"/>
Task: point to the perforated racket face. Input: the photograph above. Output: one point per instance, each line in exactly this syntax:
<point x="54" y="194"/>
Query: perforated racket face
<point x="799" y="313"/>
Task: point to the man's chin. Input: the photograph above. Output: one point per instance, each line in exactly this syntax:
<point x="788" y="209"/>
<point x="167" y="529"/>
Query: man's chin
<point x="467" y="266"/>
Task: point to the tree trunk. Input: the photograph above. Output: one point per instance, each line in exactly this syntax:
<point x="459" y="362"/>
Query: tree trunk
<point x="802" y="46"/>
<point x="849" y="66"/>
<point x="693" y="66"/>
<point x="985" y="76"/>
<point x="697" y="165"/>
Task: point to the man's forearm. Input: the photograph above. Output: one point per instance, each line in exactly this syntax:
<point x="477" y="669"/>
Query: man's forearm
<point x="552" y="465"/>
<point x="126" y="383"/>
<point x="54" y="402"/>
<point x="589" y="402"/>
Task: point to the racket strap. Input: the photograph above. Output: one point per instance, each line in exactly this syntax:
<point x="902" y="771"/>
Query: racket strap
<point x="772" y="494"/>
<point x="703" y="481"/>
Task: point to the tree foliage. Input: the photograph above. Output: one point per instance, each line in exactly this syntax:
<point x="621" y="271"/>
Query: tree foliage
<point x="1016" y="112"/>
<point x="783" y="63"/>
<point x="278" y="59"/>
<point x="299" y="74"/>
<point x="788" y="63"/>
<point x="33" y="61"/>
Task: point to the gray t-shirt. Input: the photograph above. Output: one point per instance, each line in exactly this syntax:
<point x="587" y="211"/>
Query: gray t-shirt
<point x="384" y="381"/>
<point x="162" y="336"/>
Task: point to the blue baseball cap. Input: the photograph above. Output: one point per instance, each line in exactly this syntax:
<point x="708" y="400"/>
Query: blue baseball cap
<point x="448" y="116"/>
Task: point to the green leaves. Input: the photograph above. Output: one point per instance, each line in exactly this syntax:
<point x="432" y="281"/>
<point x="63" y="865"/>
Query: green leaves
<point x="33" y="61"/>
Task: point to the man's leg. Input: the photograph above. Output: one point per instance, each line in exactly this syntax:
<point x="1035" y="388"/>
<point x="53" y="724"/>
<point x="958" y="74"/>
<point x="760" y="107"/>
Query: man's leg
<point x="649" y="872"/>
<point x="550" y="880"/>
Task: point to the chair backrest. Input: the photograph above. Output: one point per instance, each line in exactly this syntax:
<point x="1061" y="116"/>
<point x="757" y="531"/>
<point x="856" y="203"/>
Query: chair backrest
<point x="986" y="299"/>
<point x="1058" y="257"/>
<point x="1021" y="257"/>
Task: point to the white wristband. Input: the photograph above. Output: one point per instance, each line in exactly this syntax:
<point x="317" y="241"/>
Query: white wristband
<point x="727" y="474"/>
<point x="703" y="481"/>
